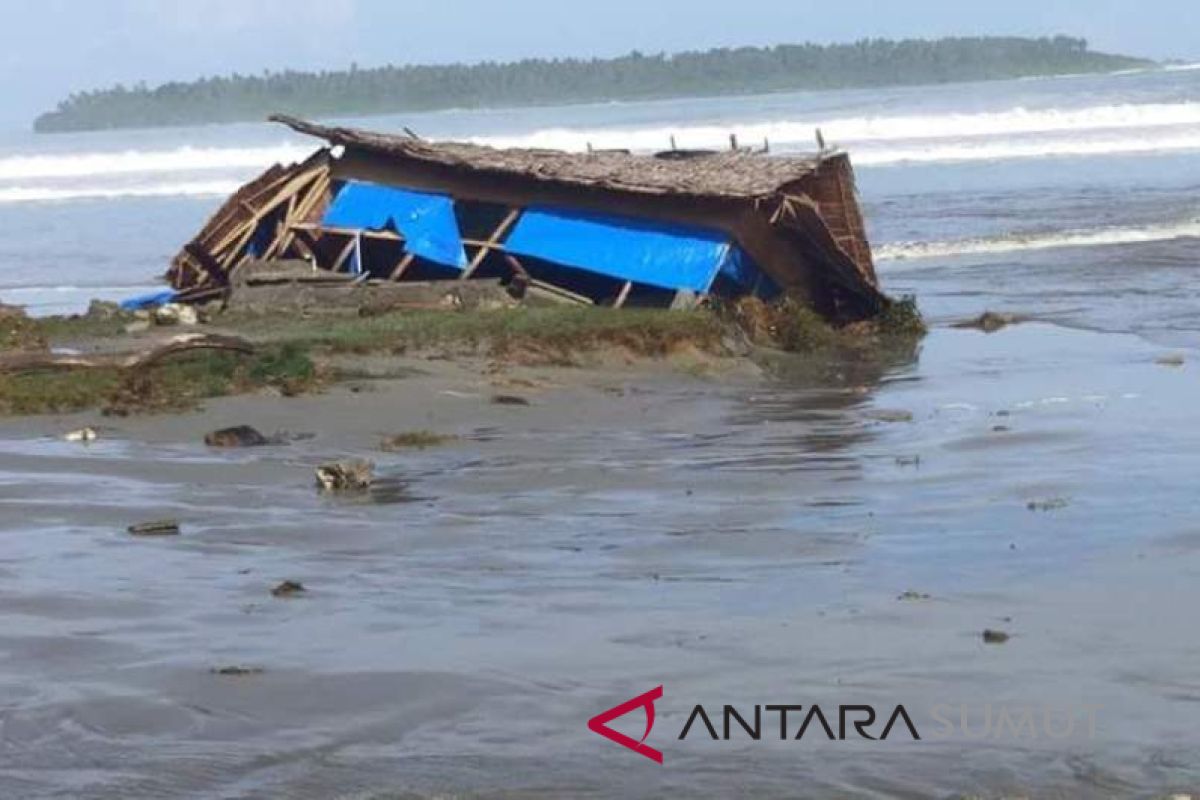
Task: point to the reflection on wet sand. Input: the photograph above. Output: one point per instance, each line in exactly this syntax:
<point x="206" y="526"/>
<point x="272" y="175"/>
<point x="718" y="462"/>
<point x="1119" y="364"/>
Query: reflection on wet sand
<point x="741" y="540"/>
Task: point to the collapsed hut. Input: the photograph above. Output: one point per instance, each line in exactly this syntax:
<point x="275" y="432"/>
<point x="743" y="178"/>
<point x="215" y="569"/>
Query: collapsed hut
<point x="604" y="227"/>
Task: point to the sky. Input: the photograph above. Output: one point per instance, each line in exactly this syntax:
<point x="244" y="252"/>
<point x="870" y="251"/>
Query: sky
<point x="50" y="48"/>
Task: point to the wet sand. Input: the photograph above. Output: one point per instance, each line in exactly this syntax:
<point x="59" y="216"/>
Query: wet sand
<point x="738" y="538"/>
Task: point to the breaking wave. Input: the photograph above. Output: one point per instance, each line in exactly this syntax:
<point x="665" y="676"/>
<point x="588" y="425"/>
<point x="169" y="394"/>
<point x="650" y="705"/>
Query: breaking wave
<point x="182" y="159"/>
<point x="998" y="150"/>
<point x="1016" y="242"/>
<point x="862" y="129"/>
<point x="34" y="194"/>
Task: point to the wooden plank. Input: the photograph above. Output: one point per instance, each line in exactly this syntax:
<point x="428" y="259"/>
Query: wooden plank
<point x="316" y="194"/>
<point x="284" y="194"/>
<point x="624" y="295"/>
<point x="491" y="243"/>
<point x="337" y="263"/>
<point x="405" y="260"/>
<point x="313" y="227"/>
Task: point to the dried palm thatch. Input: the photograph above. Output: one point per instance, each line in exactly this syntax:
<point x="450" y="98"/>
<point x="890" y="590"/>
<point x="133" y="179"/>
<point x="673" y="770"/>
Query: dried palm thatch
<point x="735" y="174"/>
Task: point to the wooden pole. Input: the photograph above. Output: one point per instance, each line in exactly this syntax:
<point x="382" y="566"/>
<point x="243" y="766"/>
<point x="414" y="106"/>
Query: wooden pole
<point x="624" y="295"/>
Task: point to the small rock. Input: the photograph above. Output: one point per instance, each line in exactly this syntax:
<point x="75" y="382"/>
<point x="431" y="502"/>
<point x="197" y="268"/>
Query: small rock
<point x="1173" y="360"/>
<point x="1051" y="504"/>
<point x="340" y="476"/>
<point x="237" y="671"/>
<point x="991" y="636"/>
<point x="990" y="321"/>
<point x="509" y="400"/>
<point x="175" y="314"/>
<point x="1000" y="429"/>
<point x="911" y="595"/>
<point x="237" y="436"/>
<point x="161" y="527"/>
<point x="889" y="415"/>
<point x="82" y="435"/>
<point x="288" y="589"/>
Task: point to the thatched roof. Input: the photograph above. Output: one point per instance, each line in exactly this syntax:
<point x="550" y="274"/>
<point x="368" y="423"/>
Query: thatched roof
<point x="738" y="175"/>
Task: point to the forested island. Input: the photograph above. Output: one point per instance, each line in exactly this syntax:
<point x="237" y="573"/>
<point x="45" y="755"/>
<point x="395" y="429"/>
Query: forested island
<point x="745" y="70"/>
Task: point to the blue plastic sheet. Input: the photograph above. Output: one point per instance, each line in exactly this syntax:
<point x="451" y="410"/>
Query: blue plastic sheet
<point x="659" y="254"/>
<point x="148" y="300"/>
<point x="741" y="269"/>
<point x="426" y="221"/>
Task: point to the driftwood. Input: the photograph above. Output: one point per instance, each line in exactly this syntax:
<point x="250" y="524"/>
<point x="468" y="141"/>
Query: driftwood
<point x="24" y="362"/>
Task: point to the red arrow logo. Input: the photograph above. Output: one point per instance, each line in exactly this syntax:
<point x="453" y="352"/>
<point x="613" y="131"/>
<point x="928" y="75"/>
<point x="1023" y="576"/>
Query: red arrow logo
<point x="599" y="724"/>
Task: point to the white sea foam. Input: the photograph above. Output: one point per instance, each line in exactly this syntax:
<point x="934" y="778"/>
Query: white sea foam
<point x="907" y="251"/>
<point x="182" y="159"/>
<point x="864" y="129"/>
<point x="1006" y="149"/>
<point x="34" y="194"/>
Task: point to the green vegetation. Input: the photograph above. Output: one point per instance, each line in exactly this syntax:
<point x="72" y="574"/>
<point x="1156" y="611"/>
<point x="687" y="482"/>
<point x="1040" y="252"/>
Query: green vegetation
<point x="296" y="355"/>
<point x="548" y="335"/>
<point x="414" y="439"/>
<point x="172" y="385"/>
<point x="744" y="70"/>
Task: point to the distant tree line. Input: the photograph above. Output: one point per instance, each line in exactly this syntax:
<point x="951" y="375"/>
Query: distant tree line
<point x="385" y="90"/>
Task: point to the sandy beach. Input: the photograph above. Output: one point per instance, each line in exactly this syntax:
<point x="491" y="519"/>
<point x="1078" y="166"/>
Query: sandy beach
<point x="832" y="533"/>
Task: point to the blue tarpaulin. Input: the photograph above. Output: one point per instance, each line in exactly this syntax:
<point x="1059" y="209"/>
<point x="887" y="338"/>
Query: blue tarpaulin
<point x="148" y="300"/>
<point x="655" y="253"/>
<point x="425" y="220"/>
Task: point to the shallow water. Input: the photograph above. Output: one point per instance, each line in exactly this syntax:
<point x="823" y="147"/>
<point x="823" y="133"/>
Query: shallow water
<point x="735" y="542"/>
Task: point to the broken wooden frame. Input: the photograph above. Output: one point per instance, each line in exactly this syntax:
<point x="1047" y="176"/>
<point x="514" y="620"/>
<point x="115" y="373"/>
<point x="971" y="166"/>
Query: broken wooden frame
<point x="798" y="219"/>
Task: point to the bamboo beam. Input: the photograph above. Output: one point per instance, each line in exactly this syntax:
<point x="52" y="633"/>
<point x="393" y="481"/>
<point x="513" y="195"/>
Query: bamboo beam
<point x="405" y="260"/>
<point x="337" y="264"/>
<point x="313" y="227"/>
<point x="624" y="294"/>
<point x="491" y="243"/>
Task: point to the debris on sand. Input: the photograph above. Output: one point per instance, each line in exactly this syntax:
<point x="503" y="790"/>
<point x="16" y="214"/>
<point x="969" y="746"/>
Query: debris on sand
<point x="991" y="321"/>
<point x="1050" y="504"/>
<point x="343" y="476"/>
<point x="82" y="435"/>
<point x="237" y="672"/>
<point x="160" y="527"/>
<point x="175" y="314"/>
<point x="17" y="331"/>
<point x="288" y="589"/>
<point x="237" y="436"/>
<point x="414" y="439"/>
<point x="509" y="400"/>
<point x="1172" y="360"/>
<point x="991" y="636"/>
<point x="889" y="415"/>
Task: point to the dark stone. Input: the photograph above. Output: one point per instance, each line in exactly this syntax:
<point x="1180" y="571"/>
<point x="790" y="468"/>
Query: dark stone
<point x="509" y="400"/>
<point x="162" y="527"/>
<point x="237" y="436"/>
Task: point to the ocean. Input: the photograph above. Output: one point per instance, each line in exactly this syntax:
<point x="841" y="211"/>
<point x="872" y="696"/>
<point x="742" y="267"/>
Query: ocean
<point x="1058" y="195"/>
